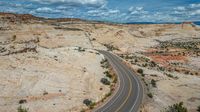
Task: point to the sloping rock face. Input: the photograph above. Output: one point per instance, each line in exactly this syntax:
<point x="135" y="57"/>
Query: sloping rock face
<point x="43" y="69"/>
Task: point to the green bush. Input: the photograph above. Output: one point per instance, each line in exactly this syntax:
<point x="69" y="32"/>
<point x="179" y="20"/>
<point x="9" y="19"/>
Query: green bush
<point x="153" y="64"/>
<point x="104" y="63"/>
<point x="108" y="74"/>
<point x="22" y="101"/>
<point x="150" y="95"/>
<point x="198" y="108"/>
<point x="178" y="107"/>
<point x="105" y="81"/>
<point x="140" y="71"/>
<point x="20" y="109"/>
<point x="115" y="80"/>
<point x="108" y="94"/>
<point x="87" y="102"/>
<point x="80" y="49"/>
<point x="143" y="75"/>
<point x="92" y="105"/>
<point x="153" y="83"/>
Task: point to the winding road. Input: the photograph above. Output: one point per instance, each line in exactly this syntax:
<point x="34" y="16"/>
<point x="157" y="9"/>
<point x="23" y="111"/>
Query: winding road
<point x="129" y="94"/>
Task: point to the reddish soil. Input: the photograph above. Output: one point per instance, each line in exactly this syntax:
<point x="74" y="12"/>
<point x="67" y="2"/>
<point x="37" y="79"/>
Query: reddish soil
<point x="161" y="59"/>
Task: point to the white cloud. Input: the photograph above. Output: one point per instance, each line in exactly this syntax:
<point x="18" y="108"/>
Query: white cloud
<point x="196" y="12"/>
<point x="81" y="2"/>
<point x="103" y="12"/>
<point x="180" y="8"/>
<point x="195" y="5"/>
<point x="137" y="10"/>
<point x="46" y="10"/>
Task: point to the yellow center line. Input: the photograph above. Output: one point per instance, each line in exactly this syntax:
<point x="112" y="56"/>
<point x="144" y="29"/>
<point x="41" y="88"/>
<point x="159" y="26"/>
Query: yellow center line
<point x="129" y="93"/>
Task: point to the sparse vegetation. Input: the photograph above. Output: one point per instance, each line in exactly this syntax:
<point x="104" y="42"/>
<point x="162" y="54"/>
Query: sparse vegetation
<point x="80" y="49"/>
<point x="178" y="107"/>
<point x="153" y="83"/>
<point x="171" y="76"/>
<point x="21" y="109"/>
<point x="108" y="94"/>
<point x="22" y="101"/>
<point x="150" y="95"/>
<point x="189" y="45"/>
<point x="198" y="108"/>
<point x="45" y="93"/>
<point x="105" y="81"/>
<point x="111" y="47"/>
<point x="82" y="110"/>
<point x="108" y="74"/>
<point x="140" y="71"/>
<point x="104" y="63"/>
<point x="89" y="103"/>
<point x="14" y="37"/>
<point x="68" y="29"/>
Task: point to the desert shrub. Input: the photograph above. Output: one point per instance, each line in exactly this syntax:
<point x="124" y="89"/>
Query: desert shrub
<point x="93" y="39"/>
<point x="144" y="65"/>
<point x="153" y="83"/>
<point x="14" y="37"/>
<point x="108" y="94"/>
<point x="82" y="110"/>
<point x="104" y="63"/>
<point x="150" y="95"/>
<point x="171" y="76"/>
<point x="153" y="64"/>
<point x="87" y="102"/>
<point x="161" y="69"/>
<point x="178" y="107"/>
<point x="22" y="101"/>
<point x="140" y="71"/>
<point x="198" y="108"/>
<point x="115" y="80"/>
<point x="20" y="109"/>
<point x="136" y="60"/>
<point x="45" y="93"/>
<point x="105" y="81"/>
<point x="108" y="74"/>
<point x="80" y="49"/>
<point x="143" y="75"/>
<point x="92" y="105"/>
<point x="110" y="47"/>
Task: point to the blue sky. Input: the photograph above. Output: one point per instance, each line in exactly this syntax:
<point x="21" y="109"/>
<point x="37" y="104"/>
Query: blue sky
<point x="108" y="10"/>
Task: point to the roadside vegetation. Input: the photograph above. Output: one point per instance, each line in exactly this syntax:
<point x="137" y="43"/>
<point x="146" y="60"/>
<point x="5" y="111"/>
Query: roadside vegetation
<point x="150" y="95"/>
<point x="22" y="101"/>
<point x="109" y="79"/>
<point x="21" y="109"/>
<point x="89" y="103"/>
<point x="104" y="64"/>
<point x="198" y="108"/>
<point x="80" y="49"/>
<point x="110" y="47"/>
<point x="178" y="107"/>
<point x="153" y="83"/>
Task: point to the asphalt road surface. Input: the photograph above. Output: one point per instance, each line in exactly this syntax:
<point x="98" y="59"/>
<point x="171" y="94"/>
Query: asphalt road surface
<point x="130" y="92"/>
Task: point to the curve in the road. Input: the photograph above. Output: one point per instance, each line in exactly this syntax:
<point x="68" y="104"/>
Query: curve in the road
<point x="130" y="92"/>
